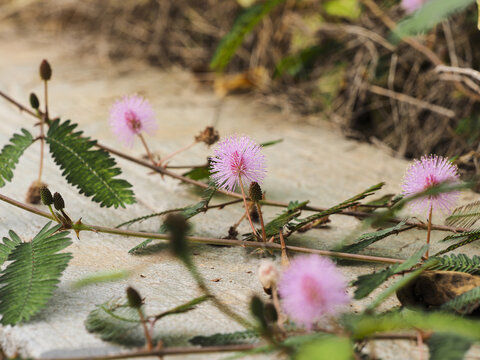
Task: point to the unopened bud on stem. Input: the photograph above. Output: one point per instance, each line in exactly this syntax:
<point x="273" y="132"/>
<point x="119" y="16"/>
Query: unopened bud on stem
<point x="46" y="196"/>
<point x="45" y="70"/>
<point x="34" y="102"/>
<point x="255" y="192"/>
<point x="134" y="298"/>
<point x="58" y="201"/>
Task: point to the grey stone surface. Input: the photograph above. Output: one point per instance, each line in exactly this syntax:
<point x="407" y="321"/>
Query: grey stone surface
<point x="314" y="163"/>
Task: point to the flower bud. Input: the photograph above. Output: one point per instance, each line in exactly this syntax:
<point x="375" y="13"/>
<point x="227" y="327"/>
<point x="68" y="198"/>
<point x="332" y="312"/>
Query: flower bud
<point x="178" y="227"/>
<point x="34" y="102"/>
<point x="134" y="298"/>
<point x="255" y="192"/>
<point x="58" y="201"/>
<point x="45" y="70"/>
<point x="267" y="274"/>
<point x="46" y="196"/>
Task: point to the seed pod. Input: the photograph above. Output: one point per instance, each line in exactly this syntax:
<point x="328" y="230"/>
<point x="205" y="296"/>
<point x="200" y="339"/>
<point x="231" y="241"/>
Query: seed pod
<point x="134" y="298"/>
<point x="58" y="201"/>
<point x="45" y="70"/>
<point x="46" y="196"/>
<point x="255" y="192"/>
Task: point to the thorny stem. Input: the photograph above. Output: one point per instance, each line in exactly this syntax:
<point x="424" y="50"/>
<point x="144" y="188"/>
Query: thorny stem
<point x="165" y="158"/>
<point x="205" y="240"/>
<point x="246" y="207"/>
<point x="429" y="229"/>
<point x="149" y="154"/>
<point x="164" y="171"/>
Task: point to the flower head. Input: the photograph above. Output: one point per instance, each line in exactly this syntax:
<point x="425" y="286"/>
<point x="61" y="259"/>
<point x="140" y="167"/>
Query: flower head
<point x="411" y="6"/>
<point x="427" y="172"/>
<point x="312" y="288"/>
<point x="131" y="116"/>
<point x="237" y="159"/>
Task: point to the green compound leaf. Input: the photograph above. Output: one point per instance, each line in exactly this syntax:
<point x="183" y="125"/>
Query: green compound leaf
<point x="465" y="303"/>
<point x="8" y="245"/>
<point x="116" y="322"/>
<point x="464" y="216"/>
<point x="459" y="263"/>
<point x="367" y="283"/>
<point x="329" y="347"/>
<point x="430" y="14"/>
<point x="463" y="238"/>
<point x="11" y="153"/>
<point x="93" y="172"/>
<point x="364" y="326"/>
<point x="29" y="280"/>
<point x="369" y="238"/>
<point x="235" y="338"/>
<point x="244" y="24"/>
<point x="444" y="346"/>
<point x="297" y="224"/>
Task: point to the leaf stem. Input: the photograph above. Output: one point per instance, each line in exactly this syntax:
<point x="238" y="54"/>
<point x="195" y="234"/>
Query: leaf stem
<point x="165" y="158"/>
<point x="262" y="224"/>
<point x="149" y="154"/>
<point x="205" y="240"/>
<point x="247" y="211"/>
<point x="429" y="229"/>
<point x="42" y="132"/>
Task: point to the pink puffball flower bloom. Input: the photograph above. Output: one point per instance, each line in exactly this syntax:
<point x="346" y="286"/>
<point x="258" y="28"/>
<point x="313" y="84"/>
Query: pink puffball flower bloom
<point x="130" y="116"/>
<point x="312" y="288"/>
<point x="411" y="6"/>
<point x="237" y="159"/>
<point x="427" y="172"/>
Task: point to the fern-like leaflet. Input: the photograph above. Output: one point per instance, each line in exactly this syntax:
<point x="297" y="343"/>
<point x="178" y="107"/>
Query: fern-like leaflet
<point x="11" y="153"/>
<point x="28" y="282"/>
<point x="464" y="216"/>
<point x="464" y="239"/>
<point x="459" y="263"/>
<point x="92" y="171"/>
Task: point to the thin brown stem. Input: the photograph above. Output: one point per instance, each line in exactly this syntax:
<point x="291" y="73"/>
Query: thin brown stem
<point x="262" y="224"/>
<point x="206" y="240"/>
<point x="149" y="154"/>
<point x="166" y="352"/>
<point x="43" y="120"/>
<point x="429" y="228"/>
<point x="165" y="158"/>
<point x="246" y="208"/>
<point x="285" y="261"/>
<point x="148" y="337"/>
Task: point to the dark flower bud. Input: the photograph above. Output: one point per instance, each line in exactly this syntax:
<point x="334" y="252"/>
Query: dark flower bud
<point x="177" y="225"/>
<point x="58" y="201"/>
<point x="134" y="298"/>
<point x="46" y="196"/>
<point x="34" y="102"/>
<point x="271" y="315"/>
<point x="256" y="307"/>
<point x="255" y="192"/>
<point x="45" y="70"/>
<point x="209" y="136"/>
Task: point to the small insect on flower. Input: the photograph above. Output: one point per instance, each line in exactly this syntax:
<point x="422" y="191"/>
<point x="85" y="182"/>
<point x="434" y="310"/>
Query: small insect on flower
<point x="237" y="159"/>
<point x="130" y="116"/>
<point x="312" y="288"/>
<point x="425" y="173"/>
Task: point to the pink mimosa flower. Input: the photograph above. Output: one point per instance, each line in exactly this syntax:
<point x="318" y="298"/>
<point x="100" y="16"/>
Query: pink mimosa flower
<point x="411" y="6"/>
<point x="237" y="159"/>
<point x="312" y="288"/>
<point x="427" y="172"/>
<point x="130" y="116"/>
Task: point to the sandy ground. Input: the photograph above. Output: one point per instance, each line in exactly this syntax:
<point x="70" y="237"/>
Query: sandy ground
<point x="314" y="163"/>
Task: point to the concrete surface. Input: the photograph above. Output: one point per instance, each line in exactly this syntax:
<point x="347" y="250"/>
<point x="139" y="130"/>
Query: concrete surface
<point x="314" y="163"/>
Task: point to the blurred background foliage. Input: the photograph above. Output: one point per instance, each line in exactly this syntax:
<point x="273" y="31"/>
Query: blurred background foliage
<point x="364" y="65"/>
